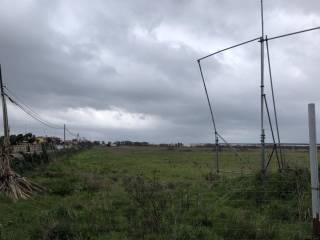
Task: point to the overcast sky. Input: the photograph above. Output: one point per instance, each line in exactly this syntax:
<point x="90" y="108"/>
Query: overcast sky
<point x="117" y="70"/>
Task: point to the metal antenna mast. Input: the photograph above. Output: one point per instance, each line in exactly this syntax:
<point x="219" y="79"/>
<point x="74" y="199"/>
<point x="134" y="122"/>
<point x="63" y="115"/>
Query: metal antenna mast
<point x="263" y="164"/>
<point x="263" y="100"/>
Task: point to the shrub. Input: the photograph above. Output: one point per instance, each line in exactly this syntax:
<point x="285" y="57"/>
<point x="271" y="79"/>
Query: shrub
<point x="94" y="183"/>
<point x="56" y="224"/>
<point x="240" y="226"/>
<point x="28" y="162"/>
<point x="150" y="204"/>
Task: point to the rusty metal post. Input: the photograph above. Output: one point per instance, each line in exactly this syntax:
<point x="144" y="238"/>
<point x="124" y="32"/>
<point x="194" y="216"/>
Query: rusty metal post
<point x="314" y="169"/>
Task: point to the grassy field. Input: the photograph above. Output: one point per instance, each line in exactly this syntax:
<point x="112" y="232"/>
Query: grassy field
<point x="159" y="193"/>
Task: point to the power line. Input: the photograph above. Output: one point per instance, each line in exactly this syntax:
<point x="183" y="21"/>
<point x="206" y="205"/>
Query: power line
<point x="21" y="102"/>
<point x="29" y="111"/>
<point x="37" y="117"/>
<point x="71" y="133"/>
<point x="31" y="114"/>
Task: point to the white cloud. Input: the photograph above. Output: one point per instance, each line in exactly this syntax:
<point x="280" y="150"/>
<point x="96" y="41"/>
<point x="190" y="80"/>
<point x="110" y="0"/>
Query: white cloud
<point x="129" y="66"/>
<point x="87" y="117"/>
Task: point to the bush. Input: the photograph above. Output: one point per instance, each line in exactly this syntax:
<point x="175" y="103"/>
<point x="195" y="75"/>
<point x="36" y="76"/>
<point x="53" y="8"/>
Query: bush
<point x="94" y="183"/>
<point x="29" y="161"/>
<point x="150" y="201"/>
<point x="56" y="224"/>
<point x="259" y="190"/>
<point x="240" y="226"/>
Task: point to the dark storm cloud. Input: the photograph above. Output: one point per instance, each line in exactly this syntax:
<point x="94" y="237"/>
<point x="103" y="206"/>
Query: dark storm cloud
<point x="128" y="67"/>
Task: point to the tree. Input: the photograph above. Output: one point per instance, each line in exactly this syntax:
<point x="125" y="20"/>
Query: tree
<point x="19" y="138"/>
<point x="29" y="138"/>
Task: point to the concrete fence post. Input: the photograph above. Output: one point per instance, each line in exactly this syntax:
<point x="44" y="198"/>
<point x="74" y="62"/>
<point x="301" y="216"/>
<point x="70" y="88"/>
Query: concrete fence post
<point x="314" y="168"/>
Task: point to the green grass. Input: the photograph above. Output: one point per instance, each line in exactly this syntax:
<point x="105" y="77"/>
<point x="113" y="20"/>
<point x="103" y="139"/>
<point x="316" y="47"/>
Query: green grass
<point x="160" y="193"/>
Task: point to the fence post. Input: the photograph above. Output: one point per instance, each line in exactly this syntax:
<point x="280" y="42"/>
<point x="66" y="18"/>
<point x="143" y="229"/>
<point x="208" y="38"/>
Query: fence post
<point x="314" y="169"/>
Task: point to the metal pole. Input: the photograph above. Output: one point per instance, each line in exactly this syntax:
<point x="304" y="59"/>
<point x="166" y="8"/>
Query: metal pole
<point x="263" y="165"/>
<point x="294" y="33"/>
<point x="217" y="153"/>
<point x="314" y="169"/>
<point x="212" y="117"/>
<point x="275" y="149"/>
<point x="64" y="135"/>
<point x="228" y="48"/>
<point x="274" y="105"/>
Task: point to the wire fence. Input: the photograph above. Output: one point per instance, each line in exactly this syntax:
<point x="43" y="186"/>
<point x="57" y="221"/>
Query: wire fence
<point x="274" y="206"/>
<point x="279" y="200"/>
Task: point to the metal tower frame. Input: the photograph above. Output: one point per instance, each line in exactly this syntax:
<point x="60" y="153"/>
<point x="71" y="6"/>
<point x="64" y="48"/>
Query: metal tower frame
<point x="277" y="150"/>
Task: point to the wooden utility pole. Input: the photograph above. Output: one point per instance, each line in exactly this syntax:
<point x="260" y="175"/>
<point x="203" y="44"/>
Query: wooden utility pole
<point x="5" y="151"/>
<point x="5" y="113"/>
<point x="12" y="184"/>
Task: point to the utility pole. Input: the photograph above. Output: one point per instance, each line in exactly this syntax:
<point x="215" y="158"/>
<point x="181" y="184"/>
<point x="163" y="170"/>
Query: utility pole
<point x="314" y="169"/>
<point x="5" y="113"/>
<point x="12" y="184"/>
<point x="263" y="164"/>
<point x="5" y="151"/>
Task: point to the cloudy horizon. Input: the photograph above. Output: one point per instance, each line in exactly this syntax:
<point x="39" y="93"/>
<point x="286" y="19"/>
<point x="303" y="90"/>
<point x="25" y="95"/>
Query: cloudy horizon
<point x="126" y="70"/>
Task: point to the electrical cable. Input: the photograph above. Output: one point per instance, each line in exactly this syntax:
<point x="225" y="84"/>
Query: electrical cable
<point x="71" y="133"/>
<point x="28" y="112"/>
<point x="24" y="104"/>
